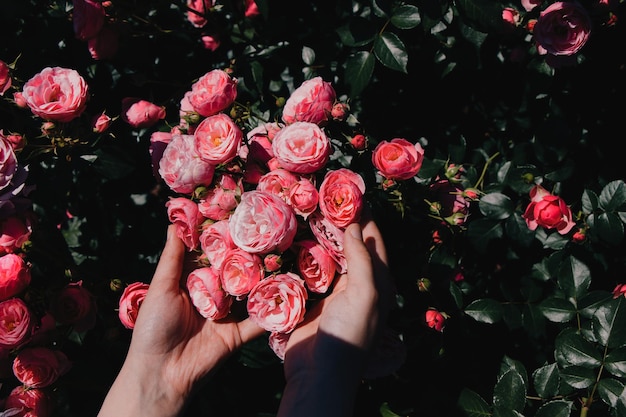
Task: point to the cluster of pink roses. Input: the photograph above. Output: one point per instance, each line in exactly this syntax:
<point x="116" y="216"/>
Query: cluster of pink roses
<point x="91" y="24"/>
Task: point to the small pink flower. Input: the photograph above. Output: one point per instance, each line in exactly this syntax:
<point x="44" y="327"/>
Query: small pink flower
<point x="311" y="102"/>
<point x="548" y="211"/>
<point x="181" y="168"/>
<point x="14" y="276"/>
<point x="316" y="266"/>
<point x="301" y="147"/>
<point x="39" y="367"/>
<point x="272" y="262"/>
<point x="213" y="92"/>
<point x="29" y="402"/>
<point x="141" y="113"/>
<point x="101" y="123"/>
<point x="16" y="323"/>
<point x="358" y="142"/>
<point x="215" y="242"/>
<point x="398" y="159"/>
<point x="303" y="197"/>
<point x="620" y="290"/>
<point x="5" y="78"/>
<point x="435" y="320"/>
<point x="339" y="111"/>
<point x="240" y="271"/>
<point x="184" y="214"/>
<point x="199" y="9"/>
<point x="562" y="28"/>
<point x="218" y="139"/>
<point x="252" y="9"/>
<point x="210" y="42"/>
<point x="341" y="196"/>
<point x="207" y="294"/>
<point x="220" y="201"/>
<point x="278" y="343"/>
<point x="130" y="301"/>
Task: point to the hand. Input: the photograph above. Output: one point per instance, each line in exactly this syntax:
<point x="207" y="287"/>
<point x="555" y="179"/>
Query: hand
<point x="173" y="348"/>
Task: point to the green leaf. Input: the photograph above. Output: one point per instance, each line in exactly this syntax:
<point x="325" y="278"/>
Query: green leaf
<point x="405" y="16"/>
<point x="481" y="231"/>
<point x="385" y="411"/>
<point x="613" y="195"/>
<point x="509" y="363"/>
<point x="533" y="321"/>
<point x="610" y="390"/>
<point x="609" y="323"/>
<point x="112" y="166"/>
<point x="572" y="349"/>
<point x="496" y="206"/>
<point x="546" y="380"/>
<point x="509" y="392"/>
<point x="615" y="362"/>
<point x="485" y="310"/>
<point x="457" y="294"/>
<point x="358" y="32"/>
<point x="472" y="404"/>
<point x="590" y="302"/>
<point x="557" y="310"/>
<point x="589" y="202"/>
<point x="391" y="52"/>
<point x="557" y="408"/>
<point x="359" y="69"/>
<point x="578" y="377"/>
<point x="516" y="228"/>
<point x="609" y="228"/>
<point x="574" y="277"/>
<point x="482" y="14"/>
<point x="505" y="412"/>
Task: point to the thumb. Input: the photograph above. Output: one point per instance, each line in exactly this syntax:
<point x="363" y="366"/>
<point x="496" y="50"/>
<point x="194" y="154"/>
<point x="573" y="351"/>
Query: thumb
<point x="169" y="268"/>
<point x="358" y="258"/>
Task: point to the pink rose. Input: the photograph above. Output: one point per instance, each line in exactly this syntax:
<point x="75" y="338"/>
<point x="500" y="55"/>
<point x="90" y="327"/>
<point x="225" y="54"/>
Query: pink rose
<point x="105" y="44"/>
<point x="28" y="402"/>
<point x="277" y="303"/>
<point x="303" y="197"/>
<point x="240" y="271"/>
<point x="8" y="162"/>
<point x="210" y="42"/>
<point x="316" y="266"/>
<point x="272" y="262"/>
<point x="435" y="320"/>
<point x="181" y="167"/>
<point x="260" y="143"/>
<point x="158" y="143"/>
<point x="5" y="78"/>
<point x="207" y="294"/>
<point x="215" y="242"/>
<point x="277" y="182"/>
<point x="220" y="201"/>
<point x="251" y="9"/>
<point x="19" y="100"/>
<point x="341" y="196"/>
<point x="529" y="5"/>
<point x="562" y="28"/>
<point x="76" y="306"/>
<point x="218" y="139"/>
<point x="358" y="142"/>
<point x="14" y="275"/>
<point x="39" y="367"/>
<point x="141" y="113"/>
<point x="16" y="141"/>
<point x="398" y="159"/>
<point x="311" y="102"/>
<point x="449" y="203"/>
<point x="213" y="92"/>
<point x="301" y="147"/>
<point x="87" y="18"/>
<point x="263" y="223"/>
<point x="188" y="115"/>
<point x="14" y="232"/>
<point x="511" y="16"/>
<point x="199" y="9"/>
<point x="548" y="211"/>
<point x="620" y="290"/>
<point x="184" y="214"/>
<point x="101" y="123"/>
<point x="339" y="111"/>
<point x="57" y="94"/>
<point x="16" y="323"/>
<point x="278" y="343"/>
<point x="330" y="237"/>
<point x="130" y="301"/>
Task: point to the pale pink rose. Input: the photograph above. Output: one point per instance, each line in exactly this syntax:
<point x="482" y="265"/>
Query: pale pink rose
<point x="240" y="271"/>
<point x="277" y="182"/>
<point x="76" y="306"/>
<point x="57" y="94"/>
<point x="252" y="9"/>
<point x="14" y="275"/>
<point x="181" y="168"/>
<point x="562" y="28"/>
<point x="101" y="123"/>
<point x="301" y="147"/>
<point x="316" y="266"/>
<point x="218" y="139"/>
<point x="215" y="241"/>
<point x="14" y="232"/>
<point x="141" y="113"/>
<point x="341" y="196"/>
<point x="435" y="320"/>
<point x="398" y="159"/>
<point x="278" y="343"/>
<point x="19" y="100"/>
<point x="220" y="201"/>
<point x="330" y="237"/>
<point x="8" y="162"/>
<point x="199" y="9"/>
<point x="311" y="102"/>
<point x="105" y="44"/>
<point x="548" y="211"/>
<point x="207" y="295"/>
<point x="184" y="214"/>
<point x="529" y="5"/>
<point x="16" y="323"/>
<point x="358" y="142"/>
<point x="27" y="402"/>
<point x="130" y="301"/>
<point x="213" y="92"/>
<point x="87" y="18"/>
<point x="303" y="197"/>
<point x="263" y="223"/>
<point x="39" y="367"/>
<point x="278" y="302"/>
<point x="210" y="42"/>
<point x="5" y="78"/>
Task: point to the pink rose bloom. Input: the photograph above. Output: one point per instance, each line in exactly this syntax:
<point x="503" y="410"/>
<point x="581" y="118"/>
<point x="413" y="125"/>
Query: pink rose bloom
<point x="14" y="232"/>
<point x="16" y="323"/>
<point x="188" y="115"/>
<point x="263" y="223"/>
<point x="141" y="113"/>
<point x="619" y="291"/>
<point x="213" y="92"/>
<point x="548" y="211"/>
<point x="215" y="242"/>
<point x="76" y="306"/>
<point x="529" y="5"/>
<point x="311" y="102"/>
<point x="260" y="142"/>
<point x="218" y="139"/>
<point x="29" y="402"/>
<point x="303" y="197"/>
<point x="272" y="262"/>
<point x="398" y="159"/>
<point x="207" y="294"/>
<point x="278" y="343"/>
<point x="220" y="201"/>
<point x="39" y="367"/>
<point x="181" y="167"/>
<point x="240" y="271"/>
<point x="330" y="237"/>
<point x="210" y="42"/>
<point x="14" y="275"/>
<point x="251" y="9"/>
<point x="301" y="147"/>
<point x="199" y="9"/>
<point x="341" y="196"/>
<point x="101" y="123"/>
<point x="87" y="18"/>
<point x="57" y="94"/>
<point x="435" y="320"/>
<point x="8" y="162"/>
<point x="511" y="16"/>
<point x="277" y="303"/>
<point x="19" y="100"/>
<point x="158" y="143"/>
<point x="184" y="214"/>
<point x="16" y="141"/>
<point x="105" y="44"/>
<point x="130" y="301"/>
<point x="277" y="182"/>
<point x="562" y="28"/>
<point x="358" y="142"/>
<point x="5" y="78"/>
<point x="316" y="266"/>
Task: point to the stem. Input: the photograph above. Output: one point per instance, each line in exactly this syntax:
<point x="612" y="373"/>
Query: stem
<point x="484" y="171"/>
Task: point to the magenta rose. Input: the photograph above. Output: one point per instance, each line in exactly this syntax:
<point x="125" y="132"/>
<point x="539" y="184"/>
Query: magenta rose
<point x="303" y="197"/>
<point x="548" y="211"/>
<point x="316" y="266"/>
<point x="240" y="271"/>
<point x="14" y="275"/>
<point x="184" y="214"/>
<point x="330" y="237"/>
<point x="130" y="301"/>
<point x="278" y="302"/>
<point x="57" y="94"/>
<point x="215" y="242"/>
<point x="28" y="402"/>
<point x="8" y="162"/>
<point x="562" y="28"/>
<point x="87" y="18"/>
<point x="277" y="182"/>
<point x="181" y="167"/>
<point x="218" y="139"/>
<point x="141" y="113"/>
<point x="76" y="306"/>
<point x="213" y="92"/>
<point x="16" y="323"/>
<point x="220" y="201"/>
<point x="207" y="294"/>
<point x="5" y="78"/>
<point x="311" y="102"/>
<point x="341" y="196"/>
<point x="301" y="147"/>
<point x="398" y="159"/>
<point x="39" y="367"/>
<point x="263" y="223"/>
<point x="14" y="232"/>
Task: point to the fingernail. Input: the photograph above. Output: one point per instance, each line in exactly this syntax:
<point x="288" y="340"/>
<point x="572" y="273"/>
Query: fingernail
<point x="355" y="232"/>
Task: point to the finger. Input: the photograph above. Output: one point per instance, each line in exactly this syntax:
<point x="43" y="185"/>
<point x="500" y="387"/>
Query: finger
<point x="248" y="330"/>
<point x="359" y="260"/>
<point x="169" y="268"/>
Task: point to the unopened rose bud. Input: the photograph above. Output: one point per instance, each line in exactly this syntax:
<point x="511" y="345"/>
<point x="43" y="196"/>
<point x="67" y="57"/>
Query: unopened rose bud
<point x="580" y="236"/>
<point x="19" y="100"/>
<point x="435" y="320"/>
<point x="280" y="101"/>
<point x="388" y="183"/>
<point x="471" y="194"/>
<point x="339" y="111"/>
<point x="434" y="207"/>
<point x="423" y="284"/>
<point x="47" y="128"/>
<point x="620" y="290"/>
<point x="528" y="178"/>
<point x="272" y="262"/>
<point x="358" y="142"/>
<point x="456" y="219"/>
<point x="116" y="284"/>
<point x="437" y="237"/>
<point x="101" y="123"/>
